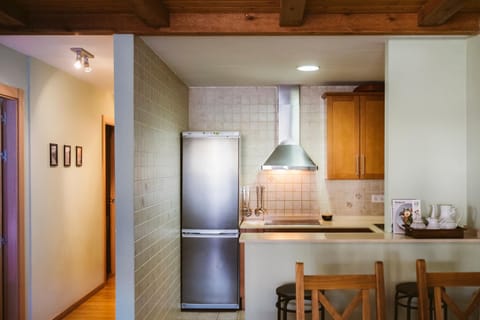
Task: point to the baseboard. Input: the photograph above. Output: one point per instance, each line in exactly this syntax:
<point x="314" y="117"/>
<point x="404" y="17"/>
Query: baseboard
<point x="79" y="302"/>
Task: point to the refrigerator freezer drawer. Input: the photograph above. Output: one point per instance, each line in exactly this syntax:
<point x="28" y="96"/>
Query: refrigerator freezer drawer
<point x="210" y="272"/>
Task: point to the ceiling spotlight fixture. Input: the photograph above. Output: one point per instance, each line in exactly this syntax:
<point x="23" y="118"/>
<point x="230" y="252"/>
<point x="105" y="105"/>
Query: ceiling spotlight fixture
<point x="307" y="68"/>
<point x="82" y="57"/>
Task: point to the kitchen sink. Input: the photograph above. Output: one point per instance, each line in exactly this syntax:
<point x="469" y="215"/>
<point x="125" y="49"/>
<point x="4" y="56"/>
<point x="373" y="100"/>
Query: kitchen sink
<point x="380" y="226"/>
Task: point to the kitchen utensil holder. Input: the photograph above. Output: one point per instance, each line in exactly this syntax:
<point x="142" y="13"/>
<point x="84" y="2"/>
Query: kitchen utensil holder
<point x="260" y="209"/>
<point x="246" y="201"/>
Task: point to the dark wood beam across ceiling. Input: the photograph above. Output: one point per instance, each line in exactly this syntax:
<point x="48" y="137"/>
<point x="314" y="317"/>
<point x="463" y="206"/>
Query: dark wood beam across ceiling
<point x="437" y="12"/>
<point x="291" y="12"/>
<point x="11" y="14"/>
<point x="254" y="24"/>
<point x="152" y="12"/>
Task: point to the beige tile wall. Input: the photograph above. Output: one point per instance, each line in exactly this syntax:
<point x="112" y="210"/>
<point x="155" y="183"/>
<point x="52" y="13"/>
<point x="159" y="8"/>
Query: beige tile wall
<point x="252" y="111"/>
<point x="161" y="113"/>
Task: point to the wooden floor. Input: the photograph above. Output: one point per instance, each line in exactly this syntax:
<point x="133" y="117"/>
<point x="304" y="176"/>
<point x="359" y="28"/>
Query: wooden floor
<point x="100" y="306"/>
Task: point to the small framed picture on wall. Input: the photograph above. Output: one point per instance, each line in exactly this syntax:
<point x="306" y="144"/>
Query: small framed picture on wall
<point x="79" y="156"/>
<point x="53" y="154"/>
<point x="67" y="155"/>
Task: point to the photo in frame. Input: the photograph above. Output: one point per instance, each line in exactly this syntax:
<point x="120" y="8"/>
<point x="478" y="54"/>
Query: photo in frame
<point x="67" y="155"/>
<point x="53" y="151"/>
<point x="78" y="156"/>
<point x="404" y="212"/>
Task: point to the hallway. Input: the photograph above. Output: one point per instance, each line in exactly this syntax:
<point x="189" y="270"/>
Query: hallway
<point x="99" y="307"/>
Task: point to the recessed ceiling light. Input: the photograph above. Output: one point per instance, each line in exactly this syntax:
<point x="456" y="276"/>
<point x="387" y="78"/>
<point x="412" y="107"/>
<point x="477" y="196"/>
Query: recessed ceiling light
<point x="307" y="68"/>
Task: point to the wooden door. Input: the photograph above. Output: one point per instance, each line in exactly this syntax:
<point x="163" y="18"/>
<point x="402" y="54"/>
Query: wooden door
<point x="2" y="293"/>
<point x="343" y="137"/>
<point x="110" y="193"/>
<point x="11" y="224"/>
<point x="372" y="133"/>
<point x="108" y="168"/>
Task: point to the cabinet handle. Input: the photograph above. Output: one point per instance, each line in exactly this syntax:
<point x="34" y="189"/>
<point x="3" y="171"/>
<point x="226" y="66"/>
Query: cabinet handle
<point x="357" y="162"/>
<point x="362" y="166"/>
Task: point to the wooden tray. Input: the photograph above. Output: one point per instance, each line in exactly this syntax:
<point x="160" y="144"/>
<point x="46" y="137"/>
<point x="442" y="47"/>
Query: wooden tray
<point x="456" y="233"/>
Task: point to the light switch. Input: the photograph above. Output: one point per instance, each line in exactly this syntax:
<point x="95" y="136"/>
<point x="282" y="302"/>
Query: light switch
<point x="377" y="198"/>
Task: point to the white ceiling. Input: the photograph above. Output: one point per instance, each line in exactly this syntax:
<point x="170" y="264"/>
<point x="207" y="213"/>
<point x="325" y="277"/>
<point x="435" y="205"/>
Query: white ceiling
<point x="224" y="60"/>
<point x="55" y="51"/>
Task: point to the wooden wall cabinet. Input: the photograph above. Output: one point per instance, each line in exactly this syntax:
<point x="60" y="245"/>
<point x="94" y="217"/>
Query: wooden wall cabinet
<point x="355" y="135"/>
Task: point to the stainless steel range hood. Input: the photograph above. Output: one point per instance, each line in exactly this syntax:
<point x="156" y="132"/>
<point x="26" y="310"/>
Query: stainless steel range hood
<point x="289" y="155"/>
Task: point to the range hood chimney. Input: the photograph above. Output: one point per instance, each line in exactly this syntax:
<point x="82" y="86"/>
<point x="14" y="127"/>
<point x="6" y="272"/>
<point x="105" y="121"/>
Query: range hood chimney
<point x="289" y="155"/>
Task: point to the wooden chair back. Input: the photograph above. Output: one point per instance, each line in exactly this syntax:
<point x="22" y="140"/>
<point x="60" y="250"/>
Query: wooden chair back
<point x="319" y="285"/>
<point x="440" y="281"/>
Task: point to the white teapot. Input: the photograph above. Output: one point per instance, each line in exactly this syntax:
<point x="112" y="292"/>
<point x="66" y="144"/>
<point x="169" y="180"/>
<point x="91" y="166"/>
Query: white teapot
<point x="448" y="216"/>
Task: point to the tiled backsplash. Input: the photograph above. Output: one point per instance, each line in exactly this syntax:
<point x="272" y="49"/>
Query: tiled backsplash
<point x="252" y="111"/>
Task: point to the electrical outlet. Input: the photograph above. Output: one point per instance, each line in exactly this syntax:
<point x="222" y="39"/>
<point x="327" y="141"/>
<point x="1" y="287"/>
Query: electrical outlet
<point x="377" y="198"/>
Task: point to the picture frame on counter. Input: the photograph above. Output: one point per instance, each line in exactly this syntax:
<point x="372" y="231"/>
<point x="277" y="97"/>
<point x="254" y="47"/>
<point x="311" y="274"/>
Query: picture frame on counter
<point x="67" y="155"/>
<point x="404" y="212"/>
<point x="78" y="156"/>
<point x="53" y="152"/>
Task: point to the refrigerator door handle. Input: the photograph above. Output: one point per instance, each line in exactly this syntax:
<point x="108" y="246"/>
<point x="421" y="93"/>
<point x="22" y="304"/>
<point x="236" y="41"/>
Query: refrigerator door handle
<point x="210" y="233"/>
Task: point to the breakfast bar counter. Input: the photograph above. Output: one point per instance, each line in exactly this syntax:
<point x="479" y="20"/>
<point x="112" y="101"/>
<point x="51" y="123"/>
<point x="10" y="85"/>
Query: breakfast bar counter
<point x="269" y="257"/>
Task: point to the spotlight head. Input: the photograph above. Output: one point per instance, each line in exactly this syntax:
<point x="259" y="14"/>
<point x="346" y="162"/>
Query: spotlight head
<point x="86" y="65"/>
<point x="78" y="62"/>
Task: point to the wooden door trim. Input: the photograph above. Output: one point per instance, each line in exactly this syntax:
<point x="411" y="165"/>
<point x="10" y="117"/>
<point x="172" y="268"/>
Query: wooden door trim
<point x="106" y="121"/>
<point x="17" y="94"/>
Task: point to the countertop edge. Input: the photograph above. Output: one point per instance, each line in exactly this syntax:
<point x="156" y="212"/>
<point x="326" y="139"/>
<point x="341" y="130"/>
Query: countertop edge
<point x="319" y="237"/>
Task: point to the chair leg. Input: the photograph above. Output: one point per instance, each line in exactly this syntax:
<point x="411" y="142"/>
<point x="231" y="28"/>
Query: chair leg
<point x="285" y="304"/>
<point x="396" y="305"/>
<point x="409" y="307"/>
<point x="279" y="306"/>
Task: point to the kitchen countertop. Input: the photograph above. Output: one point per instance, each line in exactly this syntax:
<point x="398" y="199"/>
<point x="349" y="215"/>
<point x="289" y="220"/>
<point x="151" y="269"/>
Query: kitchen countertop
<point x="337" y="222"/>
<point x="257" y="231"/>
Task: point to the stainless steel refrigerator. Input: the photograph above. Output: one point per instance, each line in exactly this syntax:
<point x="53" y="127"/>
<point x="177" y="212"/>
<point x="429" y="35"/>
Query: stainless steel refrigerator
<point x="209" y="239"/>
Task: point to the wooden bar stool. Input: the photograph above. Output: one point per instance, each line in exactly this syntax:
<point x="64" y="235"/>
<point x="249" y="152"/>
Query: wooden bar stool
<point x="285" y="295"/>
<point x="406" y="296"/>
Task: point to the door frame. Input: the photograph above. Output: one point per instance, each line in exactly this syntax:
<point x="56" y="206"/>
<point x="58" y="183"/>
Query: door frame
<point x="106" y="121"/>
<point x="17" y="94"/>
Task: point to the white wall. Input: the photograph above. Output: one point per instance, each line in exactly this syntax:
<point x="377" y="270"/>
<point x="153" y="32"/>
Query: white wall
<point x="426" y="122"/>
<point x="13" y="68"/>
<point x="67" y="217"/>
<point x="473" y="130"/>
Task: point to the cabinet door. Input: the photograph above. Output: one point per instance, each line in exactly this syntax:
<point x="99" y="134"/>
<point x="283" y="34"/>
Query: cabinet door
<point x="343" y="137"/>
<point x="372" y="132"/>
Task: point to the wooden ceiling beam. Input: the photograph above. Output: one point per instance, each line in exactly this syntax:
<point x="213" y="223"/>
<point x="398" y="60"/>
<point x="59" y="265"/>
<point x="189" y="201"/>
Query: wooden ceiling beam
<point x="152" y="12"/>
<point x="437" y="12"/>
<point x="254" y="24"/>
<point x="11" y="14"/>
<point x="292" y="12"/>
